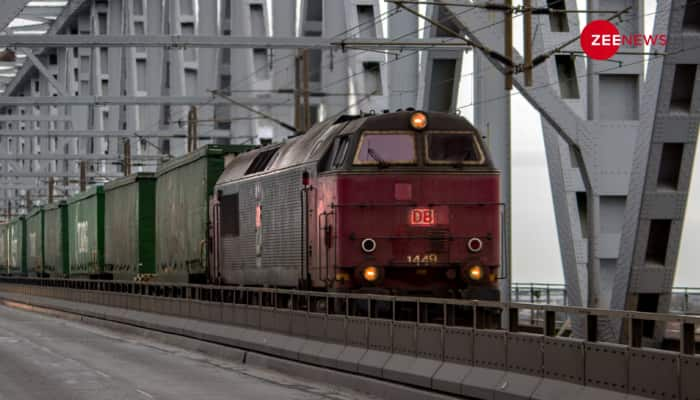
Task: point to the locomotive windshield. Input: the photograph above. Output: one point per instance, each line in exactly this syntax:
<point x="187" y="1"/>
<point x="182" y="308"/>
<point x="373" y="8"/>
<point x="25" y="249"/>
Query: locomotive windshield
<point x="450" y="148"/>
<point x="381" y="148"/>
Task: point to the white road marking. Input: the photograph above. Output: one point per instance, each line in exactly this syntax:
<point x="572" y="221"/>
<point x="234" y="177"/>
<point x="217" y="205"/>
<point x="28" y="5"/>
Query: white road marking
<point x="102" y="374"/>
<point x="146" y="394"/>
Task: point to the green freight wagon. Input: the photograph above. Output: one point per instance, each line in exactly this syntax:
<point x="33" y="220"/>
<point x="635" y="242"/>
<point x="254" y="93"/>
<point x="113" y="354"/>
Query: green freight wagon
<point x="56" y="240"/>
<point x="35" y="243"/>
<point x="3" y="248"/>
<point x="183" y="188"/>
<point x="86" y="239"/>
<point x="17" y="247"/>
<point x="130" y="226"/>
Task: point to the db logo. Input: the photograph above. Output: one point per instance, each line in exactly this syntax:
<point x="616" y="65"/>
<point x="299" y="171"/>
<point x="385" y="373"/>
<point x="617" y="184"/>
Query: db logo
<point x="422" y="216"/>
<point x="601" y="40"/>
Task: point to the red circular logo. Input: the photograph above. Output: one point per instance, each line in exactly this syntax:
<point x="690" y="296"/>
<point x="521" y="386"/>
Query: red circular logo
<point x="600" y="39"/>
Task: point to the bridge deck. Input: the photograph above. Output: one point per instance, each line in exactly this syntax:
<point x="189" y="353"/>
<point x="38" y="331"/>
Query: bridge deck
<point x="44" y="357"/>
<point x="448" y="355"/>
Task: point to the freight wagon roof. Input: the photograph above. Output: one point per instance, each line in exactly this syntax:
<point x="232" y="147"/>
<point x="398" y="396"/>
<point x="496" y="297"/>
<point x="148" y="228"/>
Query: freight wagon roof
<point x="15" y="220"/>
<point x="54" y="206"/>
<point x="93" y="191"/>
<point x="127" y="180"/>
<point x="35" y="212"/>
<point x="211" y="150"/>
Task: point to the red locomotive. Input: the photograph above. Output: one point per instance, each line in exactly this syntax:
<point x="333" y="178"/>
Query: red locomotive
<point x="397" y="203"/>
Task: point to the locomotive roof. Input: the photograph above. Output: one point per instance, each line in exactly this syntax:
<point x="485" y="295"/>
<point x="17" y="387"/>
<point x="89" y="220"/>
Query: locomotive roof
<point x="294" y="151"/>
<point x="313" y="144"/>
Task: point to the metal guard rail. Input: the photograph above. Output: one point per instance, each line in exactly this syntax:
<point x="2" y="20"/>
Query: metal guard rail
<point x="446" y="353"/>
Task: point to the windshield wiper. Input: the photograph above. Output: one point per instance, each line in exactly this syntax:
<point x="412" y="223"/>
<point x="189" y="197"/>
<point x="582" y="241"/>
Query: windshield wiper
<point x="460" y="164"/>
<point x="380" y="162"/>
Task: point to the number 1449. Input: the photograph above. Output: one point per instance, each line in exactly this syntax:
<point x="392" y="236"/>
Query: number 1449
<point x="423" y="259"/>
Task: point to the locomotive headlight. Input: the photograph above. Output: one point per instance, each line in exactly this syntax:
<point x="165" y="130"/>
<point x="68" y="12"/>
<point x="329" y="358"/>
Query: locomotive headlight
<point x="419" y="120"/>
<point x="475" y="273"/>
<point x="370" y="274"/>
<point x="368" y="245"/>
<point x="475" y="245"/>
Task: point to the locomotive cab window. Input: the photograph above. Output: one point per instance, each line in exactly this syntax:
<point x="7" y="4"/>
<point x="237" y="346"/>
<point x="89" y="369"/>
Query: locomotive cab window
<point x="453" y="148"/>
<point x="341" y="150"/>
<point x="386" y="148"/>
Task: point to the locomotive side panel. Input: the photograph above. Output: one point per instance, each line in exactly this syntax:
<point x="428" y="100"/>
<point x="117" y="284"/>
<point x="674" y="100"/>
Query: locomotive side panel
<point x="238" y="253"/>
<point x="324" y="232"/>
<point x="281" y="227"/>
<point x="266" y="246"/>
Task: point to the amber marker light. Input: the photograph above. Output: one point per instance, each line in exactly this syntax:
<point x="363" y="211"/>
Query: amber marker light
<point x="419" y="120"/>
<point x="475" y="273"/>
<point x="370" y="274"/>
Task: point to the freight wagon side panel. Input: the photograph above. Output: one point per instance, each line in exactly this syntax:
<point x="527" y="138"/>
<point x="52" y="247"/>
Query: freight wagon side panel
<point x="183" y="189"/>
<point x="147" y="226"/>
<point x="17" y="247"/>
<point x="181" y="219"/>
<point x="86" y="233"/>
<point x="56" y="241"/>
<point x="121" y="230"/>
<point x="3" y="248"/>
<point x="35" y="243"/>
<point x="129" y="227"/>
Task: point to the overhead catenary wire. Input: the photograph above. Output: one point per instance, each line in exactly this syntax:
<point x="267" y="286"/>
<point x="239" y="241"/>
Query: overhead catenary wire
<point x="379" y="18"/>
<point x="425" y="27"/>
<point x="407" y="54"/>
<point x="140" y="137"/>
<point x="252" y="75"/>
<point x="387" y="14"/>
<point x="581" y="76"/>
<point x="503" y="7"/>
<point x="492" y="68"/>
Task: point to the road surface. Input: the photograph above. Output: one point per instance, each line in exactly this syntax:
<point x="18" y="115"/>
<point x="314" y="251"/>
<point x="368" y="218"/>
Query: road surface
<point x="43" y="357"/>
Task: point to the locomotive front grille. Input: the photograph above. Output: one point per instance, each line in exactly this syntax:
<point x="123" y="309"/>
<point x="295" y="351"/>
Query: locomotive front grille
<point x="439" y="240"/>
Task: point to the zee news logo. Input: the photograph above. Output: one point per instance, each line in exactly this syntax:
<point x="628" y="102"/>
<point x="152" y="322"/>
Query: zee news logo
<point x="601" y="40"/>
